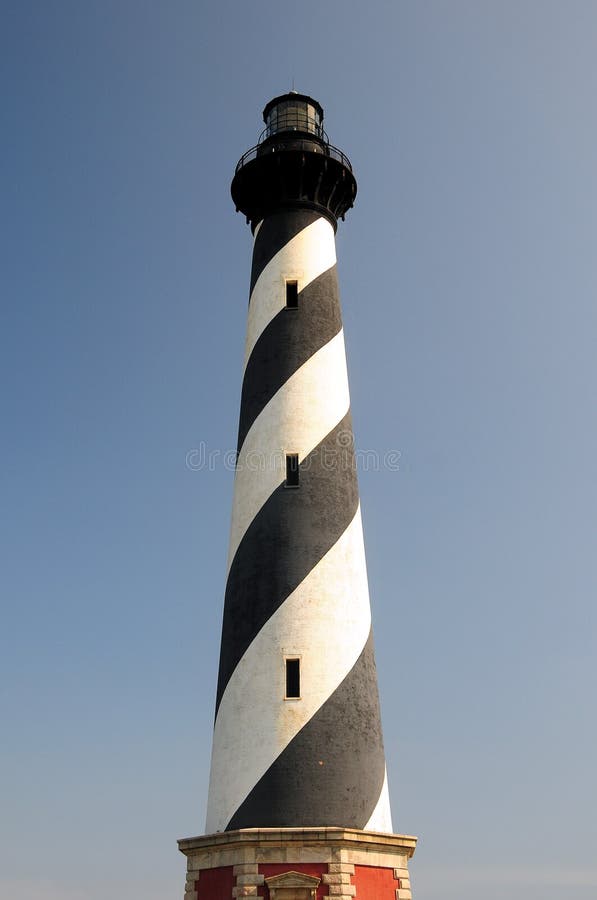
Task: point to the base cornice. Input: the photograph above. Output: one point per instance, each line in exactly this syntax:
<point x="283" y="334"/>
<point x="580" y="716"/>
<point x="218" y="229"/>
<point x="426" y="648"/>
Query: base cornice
<point x="332" y="836"/>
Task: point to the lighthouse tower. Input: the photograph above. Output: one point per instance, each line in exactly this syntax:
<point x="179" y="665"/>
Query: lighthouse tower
<point x="298" y="801"/>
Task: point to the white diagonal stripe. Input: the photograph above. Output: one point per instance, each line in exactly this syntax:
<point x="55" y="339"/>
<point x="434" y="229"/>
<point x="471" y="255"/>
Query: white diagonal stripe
<point x="254" y="723"/>
<point x="297" y="418"/>
<point x="381" y="817"/>
<point x="306" y="256"/>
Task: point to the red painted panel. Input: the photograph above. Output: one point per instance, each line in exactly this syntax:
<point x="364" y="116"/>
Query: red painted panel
<point x="316" y="869"/>
<point x="373" y="883"/>
<point x="215" y="884"/>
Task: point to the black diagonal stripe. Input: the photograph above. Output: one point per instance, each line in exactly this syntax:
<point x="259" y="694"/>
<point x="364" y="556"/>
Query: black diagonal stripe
<point x="286" y="539"/>
<point x="275" y="232"/>
<point x="333" y="771"/>
<point x="288" y="341"/>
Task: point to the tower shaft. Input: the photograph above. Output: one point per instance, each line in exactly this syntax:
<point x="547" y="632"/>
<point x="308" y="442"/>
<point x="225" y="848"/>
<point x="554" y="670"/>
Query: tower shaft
<point x="297" y="581"/>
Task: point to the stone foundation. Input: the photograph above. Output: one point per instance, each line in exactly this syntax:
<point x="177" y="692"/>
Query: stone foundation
<point x="298" y="864"/>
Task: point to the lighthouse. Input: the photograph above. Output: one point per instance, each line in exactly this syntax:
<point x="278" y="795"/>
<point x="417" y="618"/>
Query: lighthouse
<point x="298" y="803"/>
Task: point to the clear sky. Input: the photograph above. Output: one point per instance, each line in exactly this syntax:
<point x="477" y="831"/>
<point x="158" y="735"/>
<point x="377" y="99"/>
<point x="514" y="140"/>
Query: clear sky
<point x="469" y="278"/>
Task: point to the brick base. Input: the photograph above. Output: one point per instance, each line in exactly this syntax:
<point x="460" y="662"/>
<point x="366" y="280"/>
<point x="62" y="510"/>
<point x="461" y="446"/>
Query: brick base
<point x="298" y="864"/>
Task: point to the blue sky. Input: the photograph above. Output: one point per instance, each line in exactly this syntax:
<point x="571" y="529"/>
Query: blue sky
<point x="468" y="280"/>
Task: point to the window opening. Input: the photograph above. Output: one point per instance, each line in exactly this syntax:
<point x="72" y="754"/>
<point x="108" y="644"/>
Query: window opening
<point x="292" y="295"/>
<point x="292" y="470"/>
<point x="293" y="679"/>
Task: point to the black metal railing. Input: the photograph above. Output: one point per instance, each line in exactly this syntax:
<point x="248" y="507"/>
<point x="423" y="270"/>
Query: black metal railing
<point x="324" y="149"/>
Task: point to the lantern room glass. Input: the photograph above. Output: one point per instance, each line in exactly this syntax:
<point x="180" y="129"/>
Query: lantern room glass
<point x="294" y="115"/>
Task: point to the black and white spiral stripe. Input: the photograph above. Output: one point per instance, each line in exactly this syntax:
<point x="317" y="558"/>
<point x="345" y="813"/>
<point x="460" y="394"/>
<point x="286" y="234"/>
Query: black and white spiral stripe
<point x="297" y="579"/>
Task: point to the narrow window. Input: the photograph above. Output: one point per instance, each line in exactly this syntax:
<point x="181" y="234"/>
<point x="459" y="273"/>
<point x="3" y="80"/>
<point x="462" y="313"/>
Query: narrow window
<point x="293" y="679"/>
<point x="292" y="295"/>
<point x="292" y="470"/>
